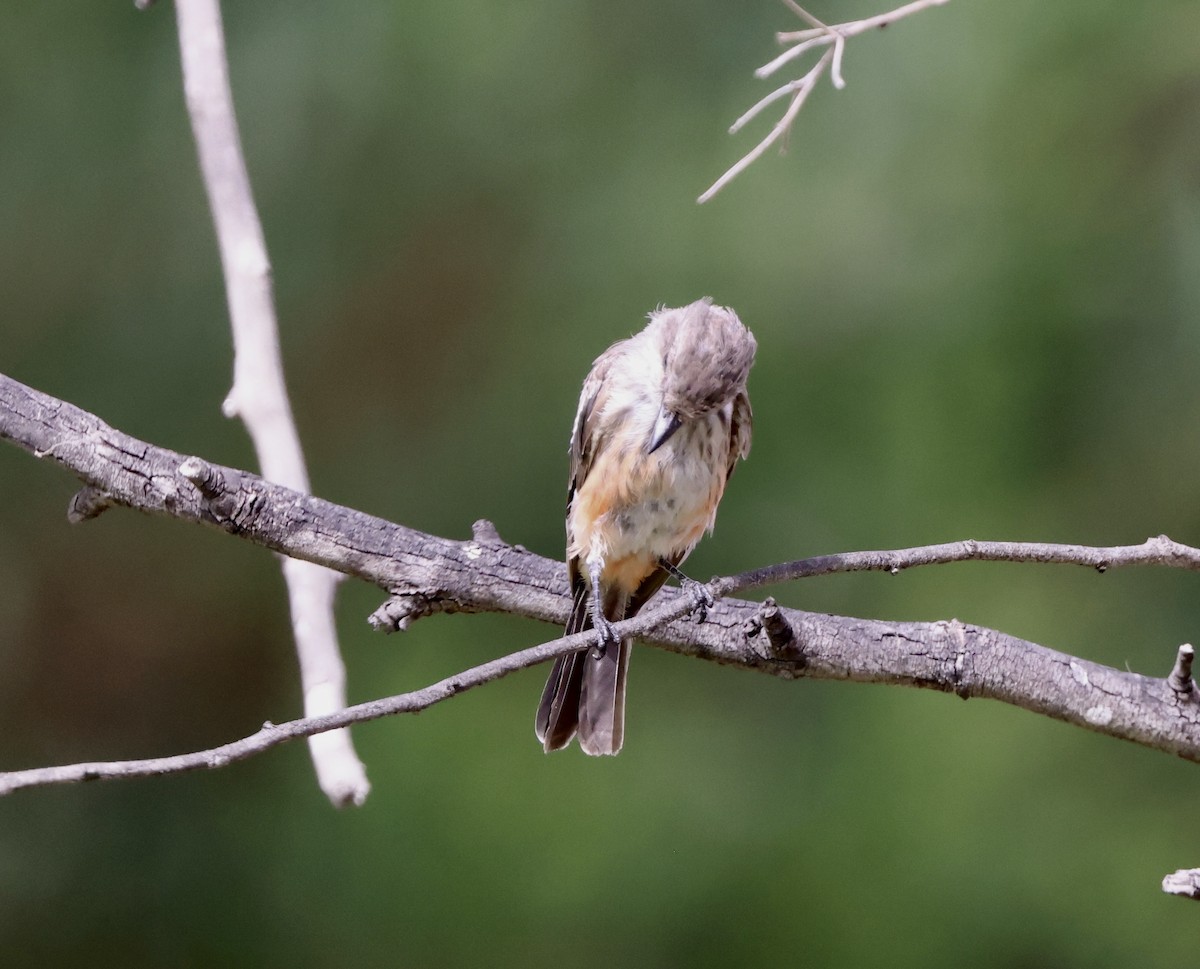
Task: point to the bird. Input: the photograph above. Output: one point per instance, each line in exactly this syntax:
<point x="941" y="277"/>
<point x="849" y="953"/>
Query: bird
<point x="663" y="418"/>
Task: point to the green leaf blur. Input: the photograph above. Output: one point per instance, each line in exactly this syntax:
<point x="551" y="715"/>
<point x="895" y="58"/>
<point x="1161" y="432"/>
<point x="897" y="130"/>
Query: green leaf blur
<point x="975" y="284"/>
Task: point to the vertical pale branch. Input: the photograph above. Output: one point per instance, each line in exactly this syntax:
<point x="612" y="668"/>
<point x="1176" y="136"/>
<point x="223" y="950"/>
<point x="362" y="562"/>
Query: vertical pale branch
<point x="259" y="395"/>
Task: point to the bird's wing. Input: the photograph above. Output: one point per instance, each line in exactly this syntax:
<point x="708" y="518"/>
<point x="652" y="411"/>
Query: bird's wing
<point x="741" y="425"/>
<point x="583" y="443"/>
<point x="591" y="402"/>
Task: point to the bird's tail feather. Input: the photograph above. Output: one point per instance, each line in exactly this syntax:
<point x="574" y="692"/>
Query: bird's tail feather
<point x="585" y="693"/>
<point x="602" y="700"/>
<point x="558" y="711"/>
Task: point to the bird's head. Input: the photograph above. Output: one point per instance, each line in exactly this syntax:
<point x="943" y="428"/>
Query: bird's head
<point x="706" y="357"/>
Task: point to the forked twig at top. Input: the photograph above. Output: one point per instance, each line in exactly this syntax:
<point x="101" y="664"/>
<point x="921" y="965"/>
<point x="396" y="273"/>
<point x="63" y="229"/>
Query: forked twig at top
<point x="816" y="35"/>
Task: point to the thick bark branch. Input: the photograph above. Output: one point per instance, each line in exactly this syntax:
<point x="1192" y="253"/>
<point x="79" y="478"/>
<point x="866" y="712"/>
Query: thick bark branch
<point x="427" y="574"/>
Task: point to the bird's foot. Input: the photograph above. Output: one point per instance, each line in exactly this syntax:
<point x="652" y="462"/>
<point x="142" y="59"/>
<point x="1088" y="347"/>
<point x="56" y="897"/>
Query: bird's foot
<point x="702" y="599"/>
<point x="606" y="636"/>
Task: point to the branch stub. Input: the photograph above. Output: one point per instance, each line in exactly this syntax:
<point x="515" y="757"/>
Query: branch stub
<point x="1180" y="680"/>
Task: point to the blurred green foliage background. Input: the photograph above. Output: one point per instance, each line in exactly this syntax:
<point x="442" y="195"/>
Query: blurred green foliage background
<point x="975" y="282"/>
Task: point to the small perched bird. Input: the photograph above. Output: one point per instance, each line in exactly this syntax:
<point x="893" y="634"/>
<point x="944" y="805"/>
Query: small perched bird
<point x="662" y="420"/>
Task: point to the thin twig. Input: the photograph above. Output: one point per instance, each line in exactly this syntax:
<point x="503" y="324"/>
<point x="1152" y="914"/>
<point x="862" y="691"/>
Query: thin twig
<point x="854" y="27"/>
<point x="835" y="71"/>
<point x="804" y="15"/>
<point x="802" y="41"/>
<point x="272" y="735"/>
<point x="259" y="394"/>
<point x="1159" y="550"/>
<point x="805" y="85"/>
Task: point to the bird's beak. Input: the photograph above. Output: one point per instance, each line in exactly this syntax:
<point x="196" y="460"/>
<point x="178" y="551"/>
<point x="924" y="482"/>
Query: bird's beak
<point x="666" y="425"/>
